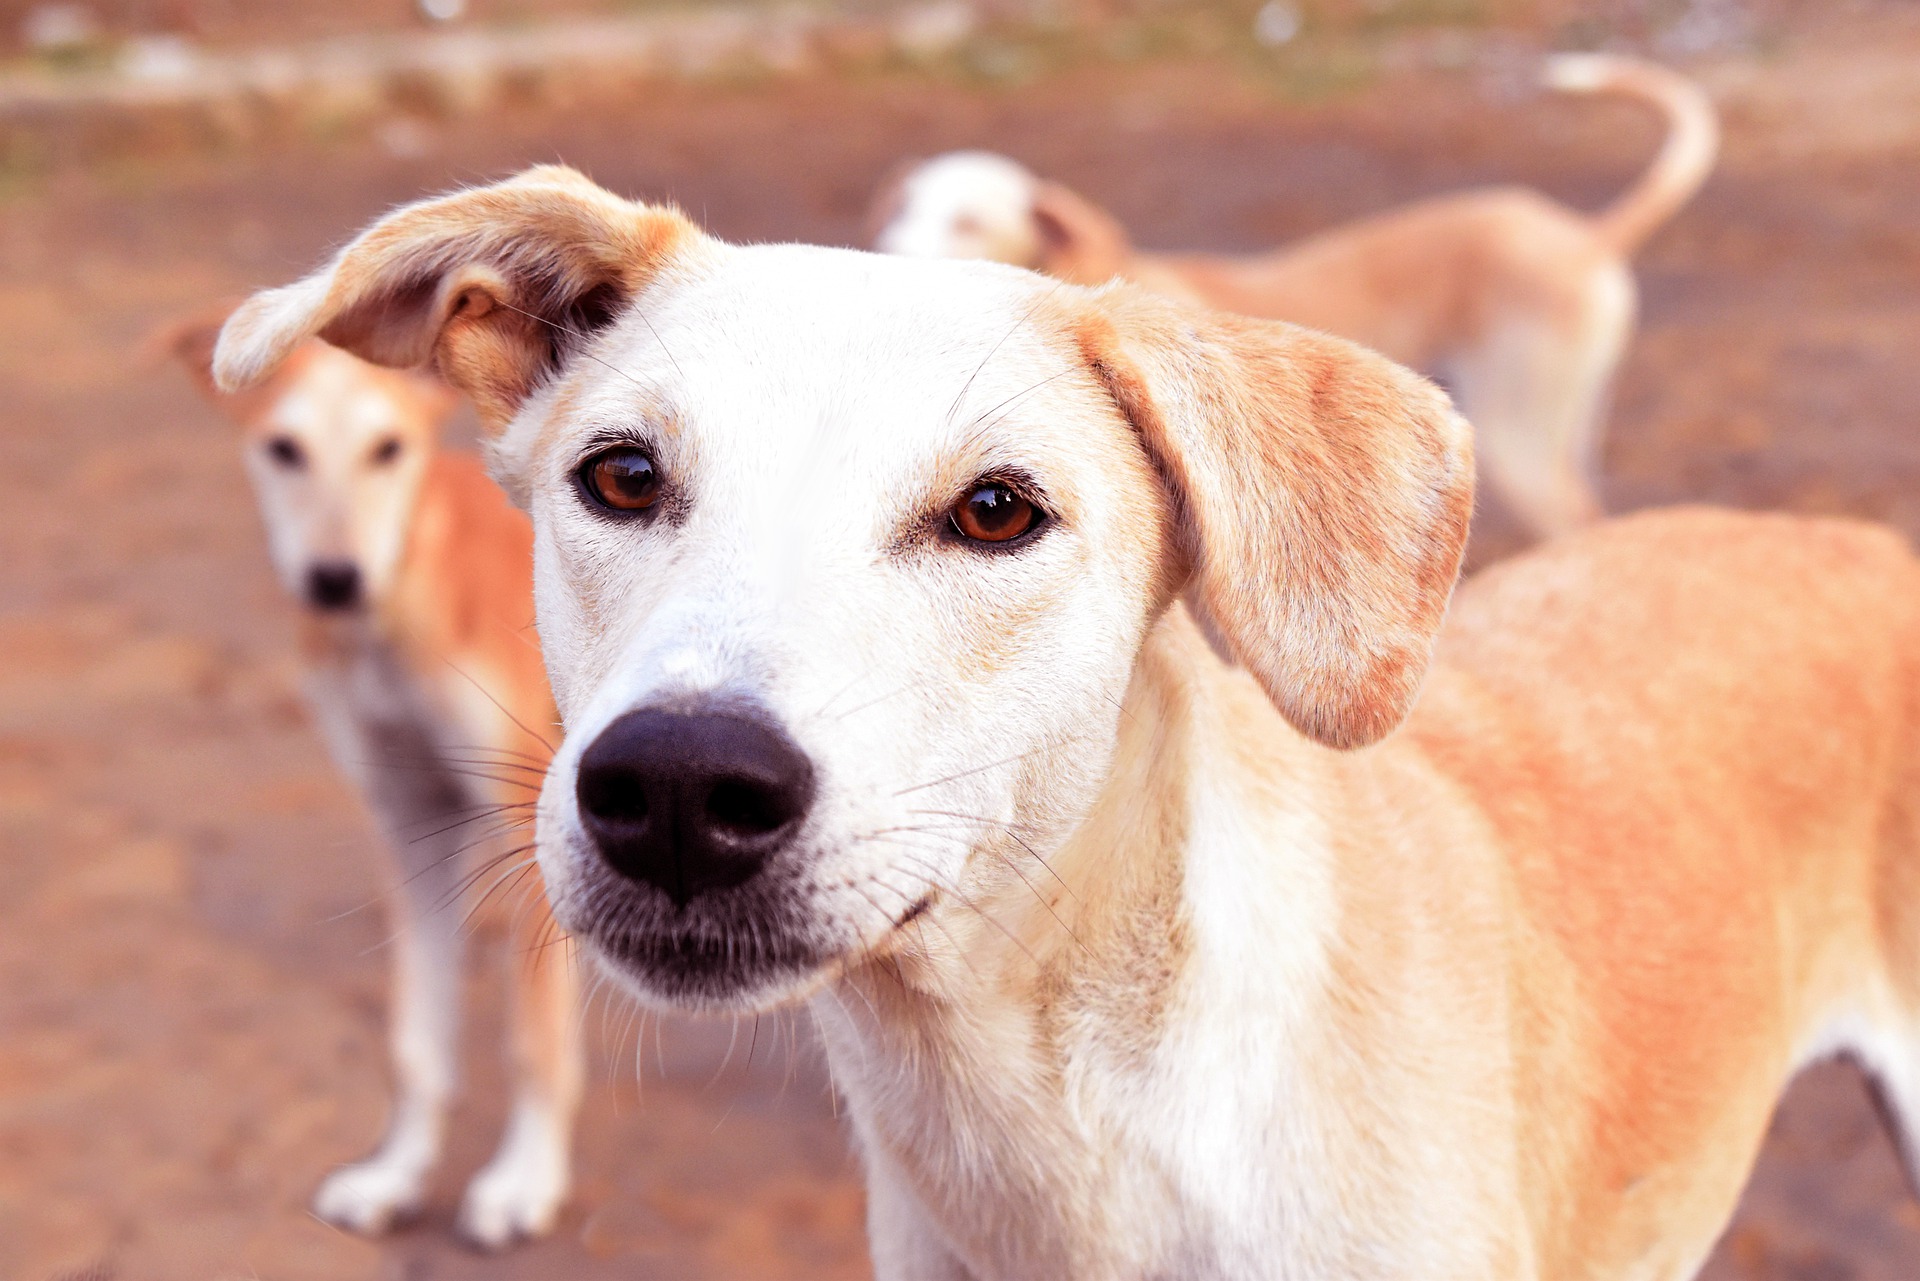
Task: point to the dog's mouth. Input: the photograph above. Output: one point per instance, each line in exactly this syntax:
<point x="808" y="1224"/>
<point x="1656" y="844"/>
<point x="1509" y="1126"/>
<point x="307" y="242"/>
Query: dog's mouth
<point x="697" y="969"/>
<point x="747" y="948"/>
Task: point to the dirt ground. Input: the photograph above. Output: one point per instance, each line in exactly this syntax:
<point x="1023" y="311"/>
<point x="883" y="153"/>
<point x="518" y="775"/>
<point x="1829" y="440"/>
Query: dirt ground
<point x="191" y="960"/>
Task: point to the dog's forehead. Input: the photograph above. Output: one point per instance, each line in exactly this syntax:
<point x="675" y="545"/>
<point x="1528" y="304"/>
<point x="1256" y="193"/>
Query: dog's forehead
<point x="331" y="395"/>
<point x="795" y="329"/>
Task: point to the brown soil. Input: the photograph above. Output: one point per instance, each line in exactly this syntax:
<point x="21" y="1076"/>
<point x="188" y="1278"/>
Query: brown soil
<point x="190" y="991"/>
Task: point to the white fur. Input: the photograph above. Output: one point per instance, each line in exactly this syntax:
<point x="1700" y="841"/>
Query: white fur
<point x="965" y="204"/>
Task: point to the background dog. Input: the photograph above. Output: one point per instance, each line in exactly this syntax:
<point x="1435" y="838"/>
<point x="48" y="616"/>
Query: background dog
<point x="422" y="669"/>
<point x="873" y="593"/>
<point x="1521" y="306"/>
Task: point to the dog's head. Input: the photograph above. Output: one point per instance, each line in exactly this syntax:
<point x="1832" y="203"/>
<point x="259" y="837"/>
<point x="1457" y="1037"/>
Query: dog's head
<point x="975" y="204"/>
<point x="844" y="562"/>
<point x="336" y="449"/>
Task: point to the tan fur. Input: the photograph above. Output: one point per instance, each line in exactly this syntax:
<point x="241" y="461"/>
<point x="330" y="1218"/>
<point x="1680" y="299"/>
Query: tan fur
<point x="1508" y="993"/>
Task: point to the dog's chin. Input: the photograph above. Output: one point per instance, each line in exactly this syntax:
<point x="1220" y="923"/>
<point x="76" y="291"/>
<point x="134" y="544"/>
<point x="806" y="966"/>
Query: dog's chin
<point x="744" y="950"/>
<point x="729" y="974"/>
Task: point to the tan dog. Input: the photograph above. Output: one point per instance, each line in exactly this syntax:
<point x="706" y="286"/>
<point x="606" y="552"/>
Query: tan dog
<point x="416" y="577"/>
<point x="1521" y="305"/>
<point x="874" y="592"/>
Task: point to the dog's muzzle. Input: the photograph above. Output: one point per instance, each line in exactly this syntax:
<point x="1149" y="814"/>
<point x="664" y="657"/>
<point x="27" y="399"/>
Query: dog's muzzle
<point x="691" y="802"/>
<point x="334" y="585"/>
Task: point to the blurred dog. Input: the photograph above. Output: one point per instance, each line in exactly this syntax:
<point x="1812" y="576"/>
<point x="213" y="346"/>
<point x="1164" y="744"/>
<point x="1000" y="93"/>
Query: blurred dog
<point x="877" y="595"/>
<point x="1522" y="306"/>
<point x="416" y="576"/>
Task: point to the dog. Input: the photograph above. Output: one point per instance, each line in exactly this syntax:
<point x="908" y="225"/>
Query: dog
<point x="416" y="578"/>
<point x="1521" y="306"/>
<point x="1049" y="686"/>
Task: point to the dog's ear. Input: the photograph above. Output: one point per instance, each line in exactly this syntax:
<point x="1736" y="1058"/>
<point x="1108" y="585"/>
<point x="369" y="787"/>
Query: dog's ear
<point x="190" y="342"/>
<point x="1321" y="493"/>
<point x="1079" y="241"/>
<point x="496" y="287"/>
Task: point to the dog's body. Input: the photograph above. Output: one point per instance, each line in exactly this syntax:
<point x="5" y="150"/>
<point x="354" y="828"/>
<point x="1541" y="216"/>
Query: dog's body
<point x="1512" y="994"/>
<point x="1519" y="304"/>
<point x="416" y="575"/>
<point x="964" y="654"/>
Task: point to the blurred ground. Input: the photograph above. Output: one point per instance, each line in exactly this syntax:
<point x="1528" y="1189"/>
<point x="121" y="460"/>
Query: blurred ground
<point x="190" y="1027"/>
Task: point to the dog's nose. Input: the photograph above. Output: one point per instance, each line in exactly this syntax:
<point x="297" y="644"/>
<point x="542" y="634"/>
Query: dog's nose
<point x="692" y="802"/>
<point x="333" y="584"/>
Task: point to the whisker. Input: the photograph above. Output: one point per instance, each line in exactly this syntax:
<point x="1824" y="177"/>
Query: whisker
<point x="981" y="424"/>
<point x="975" y="908"/>
<point x="875" y="702"/>
<point x="583" y="339"/>
<point x="980" y="769"/>
<point x="1013" y="831"/>
<point x="992" y="351"/>
<point x="491" y="811"/>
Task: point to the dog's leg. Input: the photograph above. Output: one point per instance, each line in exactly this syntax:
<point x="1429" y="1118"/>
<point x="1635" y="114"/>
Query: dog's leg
<point x="521" y="1190"/>
<point x="1891" y="1060"/>
<point x="424" y="1021"/>
<point x="905" y="1244"/>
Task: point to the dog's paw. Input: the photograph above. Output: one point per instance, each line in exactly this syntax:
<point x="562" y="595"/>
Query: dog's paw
<point x="515" y="1198"/>
<point x="370" y="1197"/>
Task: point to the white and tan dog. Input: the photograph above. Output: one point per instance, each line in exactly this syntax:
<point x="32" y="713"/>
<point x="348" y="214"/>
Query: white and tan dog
<point x="1521" y="305"/>
<point x="416" y="575"/>
<point x="876" y="594"/>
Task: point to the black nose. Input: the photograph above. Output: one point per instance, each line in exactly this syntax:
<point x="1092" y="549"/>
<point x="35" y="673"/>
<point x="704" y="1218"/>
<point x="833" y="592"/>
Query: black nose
<point x="691" y="802"/>
<point x="333" y="584"/>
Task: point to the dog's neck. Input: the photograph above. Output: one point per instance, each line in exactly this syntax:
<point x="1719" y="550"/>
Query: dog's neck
<point x="1020" y="1025"/>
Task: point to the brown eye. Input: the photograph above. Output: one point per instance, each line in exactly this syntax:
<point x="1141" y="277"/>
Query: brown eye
<point x="622" y="479"/>
<point x="385" y="452"/>
<point x="993" y="513"/>
<point x="286" y="451"/>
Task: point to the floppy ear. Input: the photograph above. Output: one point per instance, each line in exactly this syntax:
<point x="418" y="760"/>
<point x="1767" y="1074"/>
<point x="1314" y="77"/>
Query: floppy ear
<point x="497" y="287"/>
<point x="1322" y="494"/>
<point x="1079" y="241"/>
<point x="190" y="341"/>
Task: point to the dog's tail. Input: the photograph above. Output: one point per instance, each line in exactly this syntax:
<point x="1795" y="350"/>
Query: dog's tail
<point x="1693" y="139"/>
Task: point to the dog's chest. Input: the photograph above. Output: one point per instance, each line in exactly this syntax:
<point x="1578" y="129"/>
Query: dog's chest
<point x="389" y="729"/>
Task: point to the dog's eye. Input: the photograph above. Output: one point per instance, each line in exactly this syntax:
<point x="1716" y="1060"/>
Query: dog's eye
<point x="993" y="513"/>
<point x="286" y="451"/>
<point x="385" y="452"/>
<point x="623" y="479"/>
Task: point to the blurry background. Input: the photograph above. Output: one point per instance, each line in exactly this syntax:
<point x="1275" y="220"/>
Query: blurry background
<point x="191" y="964"/>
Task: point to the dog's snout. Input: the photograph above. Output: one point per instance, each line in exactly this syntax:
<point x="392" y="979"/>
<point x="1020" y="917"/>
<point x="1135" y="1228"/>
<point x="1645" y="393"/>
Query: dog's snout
<point x="333" y="584"/>
<point x="691" y="802"/>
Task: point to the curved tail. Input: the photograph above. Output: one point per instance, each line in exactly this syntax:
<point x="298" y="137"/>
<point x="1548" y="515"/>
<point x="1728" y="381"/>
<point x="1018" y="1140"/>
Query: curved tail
<point x="1693" y="139"/>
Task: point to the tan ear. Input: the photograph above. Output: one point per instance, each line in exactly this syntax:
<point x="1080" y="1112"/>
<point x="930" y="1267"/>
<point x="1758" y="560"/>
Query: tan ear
<point x="1322" y="494"/>
<point x="497" y="287"/>
<point x="190" y="342"/>
<point x="1079" y="241"/>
